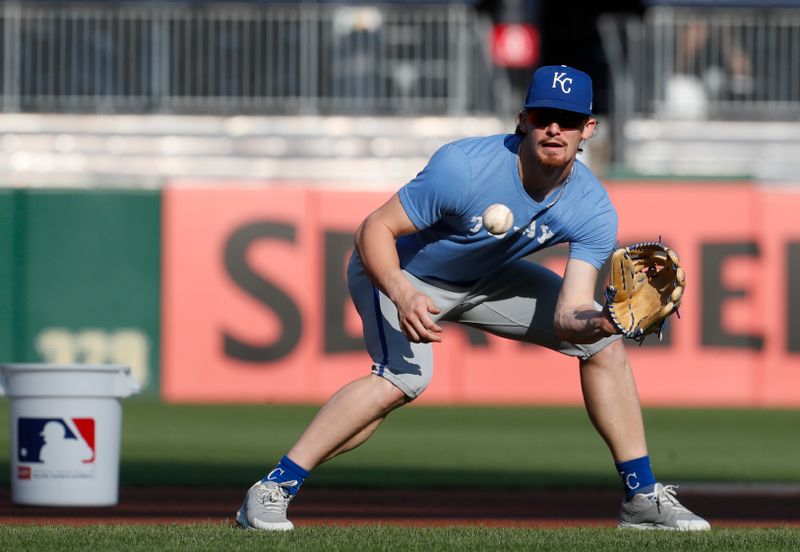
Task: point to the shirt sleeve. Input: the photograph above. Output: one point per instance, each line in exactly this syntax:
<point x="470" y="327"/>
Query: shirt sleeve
<point x="439" y="189"/>
<point x="597" y="237"/>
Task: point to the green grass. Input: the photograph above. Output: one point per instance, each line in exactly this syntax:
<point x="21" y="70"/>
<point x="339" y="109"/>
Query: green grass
<point x="419" y="445"/>
<point x="230" y="445"/>
<point x="386" y="538"/>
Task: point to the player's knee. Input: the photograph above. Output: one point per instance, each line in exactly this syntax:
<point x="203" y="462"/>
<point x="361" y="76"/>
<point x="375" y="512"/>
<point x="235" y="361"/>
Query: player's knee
<point x="612" y="354"/>
<point x="419" y="387"/>
<point x="409" y="386"/>
<point x="412" y="390"/>
<point x="389" y="396"/>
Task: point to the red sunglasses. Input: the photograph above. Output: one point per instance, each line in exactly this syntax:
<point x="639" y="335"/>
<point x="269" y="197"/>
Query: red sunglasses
<point x="567" y="120"/>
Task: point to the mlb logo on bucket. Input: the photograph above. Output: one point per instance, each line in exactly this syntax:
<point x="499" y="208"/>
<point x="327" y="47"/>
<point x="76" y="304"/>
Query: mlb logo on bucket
<point x="55" y="443"/>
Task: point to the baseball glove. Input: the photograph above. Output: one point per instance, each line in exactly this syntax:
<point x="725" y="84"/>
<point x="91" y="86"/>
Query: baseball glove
<point x="645" y="287"/>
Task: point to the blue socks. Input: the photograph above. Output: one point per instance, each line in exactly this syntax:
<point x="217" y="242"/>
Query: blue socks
<point x="286" y="470"/>
<point x="637" y="476"/>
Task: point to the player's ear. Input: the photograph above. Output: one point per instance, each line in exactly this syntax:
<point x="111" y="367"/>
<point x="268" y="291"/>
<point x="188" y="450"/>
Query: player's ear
<point x="522" y="122"/>
<point x="589" y="128"/>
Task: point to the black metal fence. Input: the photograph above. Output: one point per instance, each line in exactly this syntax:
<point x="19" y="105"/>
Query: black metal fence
<point x="244" y="58"/>
<point x="705" y="63"/>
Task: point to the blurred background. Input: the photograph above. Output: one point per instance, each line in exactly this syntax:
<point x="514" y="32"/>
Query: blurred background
<point x="180" y="182"/>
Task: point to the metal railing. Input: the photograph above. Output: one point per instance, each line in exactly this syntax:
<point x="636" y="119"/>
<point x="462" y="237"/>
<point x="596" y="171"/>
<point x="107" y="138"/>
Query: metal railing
<point x="264" y="58"/>
<point x="723" y="64"/>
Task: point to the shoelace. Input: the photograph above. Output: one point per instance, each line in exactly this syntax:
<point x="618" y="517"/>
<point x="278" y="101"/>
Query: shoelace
<point x="667" y="493"/>
<point x="277" y="498"/>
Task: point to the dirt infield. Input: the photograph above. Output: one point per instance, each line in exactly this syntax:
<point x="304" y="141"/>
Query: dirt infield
<point x="738" y="507"/>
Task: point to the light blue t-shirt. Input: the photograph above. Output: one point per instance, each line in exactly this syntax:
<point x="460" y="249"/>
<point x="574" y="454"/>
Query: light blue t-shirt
<point x="447" y="199"/>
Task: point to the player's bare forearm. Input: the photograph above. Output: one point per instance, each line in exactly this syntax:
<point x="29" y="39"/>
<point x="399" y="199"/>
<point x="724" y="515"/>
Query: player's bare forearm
<point x="583" y="324"/>
<point x="576" y="319"/>
<point x="375" y="242"/>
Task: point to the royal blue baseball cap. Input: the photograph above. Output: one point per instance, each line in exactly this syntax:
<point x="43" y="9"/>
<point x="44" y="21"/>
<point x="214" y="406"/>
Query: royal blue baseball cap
<point x="560" y="87"/>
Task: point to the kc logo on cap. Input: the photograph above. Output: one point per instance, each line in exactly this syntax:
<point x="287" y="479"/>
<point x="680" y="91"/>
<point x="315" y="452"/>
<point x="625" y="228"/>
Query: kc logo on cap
<point x="560" y="87"/>
<point x="563" y="80"/>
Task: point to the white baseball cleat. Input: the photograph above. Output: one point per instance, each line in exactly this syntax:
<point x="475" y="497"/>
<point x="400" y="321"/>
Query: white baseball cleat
<point x="265" y="505"/>
<point x="659" y="510"/>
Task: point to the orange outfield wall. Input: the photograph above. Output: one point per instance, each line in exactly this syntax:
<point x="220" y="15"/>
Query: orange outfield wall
<point x="255" y="305"/>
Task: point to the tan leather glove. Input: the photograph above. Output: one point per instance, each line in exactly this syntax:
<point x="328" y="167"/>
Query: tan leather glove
<point x="646" y="286"/>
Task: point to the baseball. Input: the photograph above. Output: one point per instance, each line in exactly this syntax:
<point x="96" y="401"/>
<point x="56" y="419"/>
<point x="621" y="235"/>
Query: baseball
<point x="497" y="219"/>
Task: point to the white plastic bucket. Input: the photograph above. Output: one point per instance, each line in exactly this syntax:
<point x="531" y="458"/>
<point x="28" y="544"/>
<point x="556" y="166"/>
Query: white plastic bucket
<point x="66" y="424"/>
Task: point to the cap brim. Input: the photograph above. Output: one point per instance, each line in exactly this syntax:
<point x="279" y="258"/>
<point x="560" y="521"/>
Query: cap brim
<point x="553" y="103"/>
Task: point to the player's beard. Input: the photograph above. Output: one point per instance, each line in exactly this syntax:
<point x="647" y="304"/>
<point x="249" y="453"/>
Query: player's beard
<point x="552" y="159"/>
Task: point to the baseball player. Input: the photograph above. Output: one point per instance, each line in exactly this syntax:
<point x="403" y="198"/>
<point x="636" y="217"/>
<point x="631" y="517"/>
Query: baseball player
<point x="425" y="256"/>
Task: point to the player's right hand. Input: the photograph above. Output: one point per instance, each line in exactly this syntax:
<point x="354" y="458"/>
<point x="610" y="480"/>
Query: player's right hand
<point x="413" y="313"/>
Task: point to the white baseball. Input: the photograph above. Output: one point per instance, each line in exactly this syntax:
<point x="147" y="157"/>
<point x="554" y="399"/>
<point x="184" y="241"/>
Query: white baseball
<point x="497" y="219"/>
